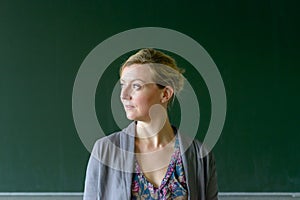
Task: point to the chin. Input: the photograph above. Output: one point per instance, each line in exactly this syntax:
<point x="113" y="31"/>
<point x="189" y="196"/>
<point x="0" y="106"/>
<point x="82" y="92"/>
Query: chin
<point x="130" y="117"/>
<point x="133" y="118"/>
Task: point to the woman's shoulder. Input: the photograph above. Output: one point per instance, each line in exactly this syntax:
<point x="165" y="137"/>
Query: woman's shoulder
<point x="116" y="139"/>
<point x="113" y="150"/>
<point x="118" y="135"/>
<point x="194" y="146"/>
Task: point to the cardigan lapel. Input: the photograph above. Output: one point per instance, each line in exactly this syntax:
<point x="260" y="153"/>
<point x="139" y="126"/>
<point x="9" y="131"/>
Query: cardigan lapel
<point x="127" y="144"/>
<point x="189" y="164"/>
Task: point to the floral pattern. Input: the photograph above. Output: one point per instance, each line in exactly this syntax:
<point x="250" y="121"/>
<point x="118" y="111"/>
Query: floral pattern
<point x="173" y="185"/>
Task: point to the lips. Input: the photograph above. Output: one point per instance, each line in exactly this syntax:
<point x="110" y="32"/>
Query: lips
<point x="128" y="107"/>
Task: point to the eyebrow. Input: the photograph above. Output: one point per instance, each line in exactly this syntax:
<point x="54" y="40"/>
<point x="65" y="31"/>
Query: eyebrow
<point x="122" y="80"/>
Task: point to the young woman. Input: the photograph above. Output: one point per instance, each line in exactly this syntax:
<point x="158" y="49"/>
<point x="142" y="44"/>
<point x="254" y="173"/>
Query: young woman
<point x="149" y="159"/>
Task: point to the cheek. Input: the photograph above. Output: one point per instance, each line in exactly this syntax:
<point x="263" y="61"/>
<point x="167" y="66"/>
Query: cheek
<point x="141" y="101"/>
<point x="144" y="102"/>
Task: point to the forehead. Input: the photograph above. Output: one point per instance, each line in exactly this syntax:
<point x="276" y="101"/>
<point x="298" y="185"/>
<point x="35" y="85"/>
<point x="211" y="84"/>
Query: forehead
<point x="137" y="71"/>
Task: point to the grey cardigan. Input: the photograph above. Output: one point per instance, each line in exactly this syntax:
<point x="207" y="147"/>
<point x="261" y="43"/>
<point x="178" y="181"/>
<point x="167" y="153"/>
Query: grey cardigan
<point x="111" y="164"/>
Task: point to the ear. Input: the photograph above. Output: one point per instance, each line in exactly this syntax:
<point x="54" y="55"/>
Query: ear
<point x="167" y="94"/>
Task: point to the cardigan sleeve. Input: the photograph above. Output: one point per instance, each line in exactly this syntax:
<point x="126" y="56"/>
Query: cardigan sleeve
<point x="212" y="185"/>
<point x="92" y="178"/>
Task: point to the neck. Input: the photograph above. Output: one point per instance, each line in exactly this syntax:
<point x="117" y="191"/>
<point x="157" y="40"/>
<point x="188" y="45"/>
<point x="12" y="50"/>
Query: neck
<point x="154" y="136"/>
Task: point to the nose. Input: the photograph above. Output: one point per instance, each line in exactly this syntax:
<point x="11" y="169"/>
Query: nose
<point x="125" y="93"/>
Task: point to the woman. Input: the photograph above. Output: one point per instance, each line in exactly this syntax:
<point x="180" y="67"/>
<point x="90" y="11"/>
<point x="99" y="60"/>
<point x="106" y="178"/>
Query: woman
<point x="150" y="159"/>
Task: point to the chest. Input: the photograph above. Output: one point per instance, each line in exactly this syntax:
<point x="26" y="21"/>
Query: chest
<point x="167" y="182"/>
<point x="154" y="165"/>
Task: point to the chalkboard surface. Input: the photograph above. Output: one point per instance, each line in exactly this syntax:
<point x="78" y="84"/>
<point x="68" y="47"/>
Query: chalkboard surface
<point x="255" y="45"/>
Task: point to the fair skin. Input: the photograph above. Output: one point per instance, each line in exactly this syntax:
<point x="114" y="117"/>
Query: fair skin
<point x="146" y="104"/>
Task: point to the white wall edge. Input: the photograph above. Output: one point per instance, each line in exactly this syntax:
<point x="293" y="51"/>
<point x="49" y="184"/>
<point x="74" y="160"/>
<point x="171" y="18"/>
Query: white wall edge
<point x="41" y="193"/>
<point x="225" y="194"/>
<point x="269" y="194"/>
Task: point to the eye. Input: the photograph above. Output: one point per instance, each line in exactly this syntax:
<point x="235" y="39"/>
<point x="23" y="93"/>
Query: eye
<point x="136" y="86"/>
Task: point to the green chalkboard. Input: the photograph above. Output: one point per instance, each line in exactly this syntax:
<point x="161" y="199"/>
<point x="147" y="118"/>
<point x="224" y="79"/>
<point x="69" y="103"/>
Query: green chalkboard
<point x="255" y="45"/>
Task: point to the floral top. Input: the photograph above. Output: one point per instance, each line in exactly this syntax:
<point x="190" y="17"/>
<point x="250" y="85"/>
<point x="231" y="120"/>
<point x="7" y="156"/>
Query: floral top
<point x="173" y="185"/>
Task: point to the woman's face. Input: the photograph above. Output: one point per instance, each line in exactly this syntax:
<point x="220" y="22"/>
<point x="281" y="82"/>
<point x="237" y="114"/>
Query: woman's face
<point x="138" y="92"/>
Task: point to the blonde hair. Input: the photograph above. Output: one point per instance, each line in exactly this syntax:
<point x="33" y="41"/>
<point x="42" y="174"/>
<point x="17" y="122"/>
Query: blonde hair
<point x="165" y="71"/>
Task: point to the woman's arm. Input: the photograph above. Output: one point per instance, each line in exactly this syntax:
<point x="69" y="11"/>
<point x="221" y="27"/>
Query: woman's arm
<point x="91" y="187"/>
<point x="212" y="186"/>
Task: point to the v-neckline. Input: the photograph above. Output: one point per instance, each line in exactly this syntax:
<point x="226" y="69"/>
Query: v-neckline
<point x="167" y="174"/>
